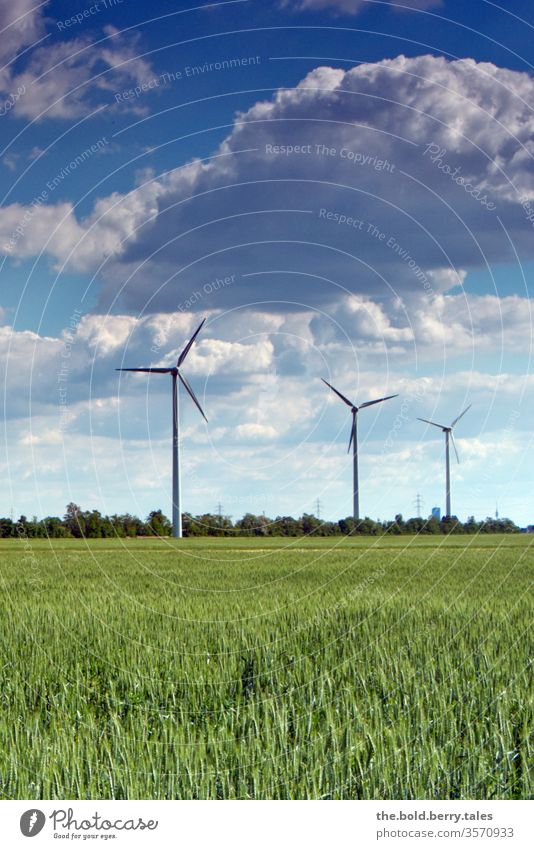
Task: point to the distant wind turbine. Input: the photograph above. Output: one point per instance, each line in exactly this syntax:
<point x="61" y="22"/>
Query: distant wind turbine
<point x="354" y="442"/>
<point x="176" y="375"/>
<point x="448" y="437"/>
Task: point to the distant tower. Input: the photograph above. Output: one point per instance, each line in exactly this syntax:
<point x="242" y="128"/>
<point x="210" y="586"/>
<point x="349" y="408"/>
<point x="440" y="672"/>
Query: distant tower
<point x="436" y="513"/>
<point x="496" y="510"/>
<point x="418" y="505"/>
<point x="318" y="508"/>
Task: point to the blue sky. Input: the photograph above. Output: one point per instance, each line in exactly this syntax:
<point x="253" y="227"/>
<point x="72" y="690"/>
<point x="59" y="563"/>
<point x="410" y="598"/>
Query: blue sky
<point x="344" y="188"/>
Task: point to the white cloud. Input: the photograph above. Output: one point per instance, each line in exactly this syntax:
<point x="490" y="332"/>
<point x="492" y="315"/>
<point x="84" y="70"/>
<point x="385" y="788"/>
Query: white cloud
<point x="421" y="231"/>
<point x="214" y="356"/>
<point x="261" y="377"/>
<point x="255" y="431"/>
<point x="107" y="333"/>
<point x="365" y="319"/>
<point x="271" y="431"/>
<point x="10" y="161"/>
<point x="21" y="24"/>
<point x="51" y="437"/>
<point x="63" y="79"/>
<point x="483" y="322"/>
<point x="54" y="230"/>
<point x="76" y="77"/>
<point x="134" y="475"/>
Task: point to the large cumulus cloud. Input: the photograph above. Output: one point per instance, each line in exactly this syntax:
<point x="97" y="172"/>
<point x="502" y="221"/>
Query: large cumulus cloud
<point x="389" y="178"/>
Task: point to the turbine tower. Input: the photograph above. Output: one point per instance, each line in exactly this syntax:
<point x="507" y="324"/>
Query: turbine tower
<point x="354" y="442"/>
<point x="177" y="377"/>
<point x="448" y="438"/>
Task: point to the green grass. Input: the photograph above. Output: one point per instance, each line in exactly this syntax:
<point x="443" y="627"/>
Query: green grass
<point x="356" y="668"/>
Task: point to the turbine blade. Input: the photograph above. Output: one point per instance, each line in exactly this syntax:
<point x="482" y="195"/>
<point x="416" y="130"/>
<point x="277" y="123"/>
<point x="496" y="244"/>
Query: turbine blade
<point x="429" y="422"/>
<point x="192" y="394"/>
<point x="455" y="449"/>
<point x="187" y="348"/>
<point x="155" y="370"/>
<point x="351" y="435"/>
<point x="378" y="400"/>
<point x="457" y="419"/>
<point x="346" y="400"/>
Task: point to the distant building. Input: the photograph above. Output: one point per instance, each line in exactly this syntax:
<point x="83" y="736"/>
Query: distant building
<point x="436" y="513"/>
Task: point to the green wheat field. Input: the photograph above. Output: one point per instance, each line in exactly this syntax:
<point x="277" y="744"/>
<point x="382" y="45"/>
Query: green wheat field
<point x="384" y="668"/>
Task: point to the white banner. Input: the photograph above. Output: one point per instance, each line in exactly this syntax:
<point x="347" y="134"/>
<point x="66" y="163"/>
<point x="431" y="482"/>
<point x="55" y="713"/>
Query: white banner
<point x="255" y="824"/>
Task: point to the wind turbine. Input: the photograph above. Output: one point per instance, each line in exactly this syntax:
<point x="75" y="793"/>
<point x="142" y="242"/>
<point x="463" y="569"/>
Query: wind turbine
<point x="176" y="375"/>
<point x="354" y="442"/>
<point x="448" y="437"/>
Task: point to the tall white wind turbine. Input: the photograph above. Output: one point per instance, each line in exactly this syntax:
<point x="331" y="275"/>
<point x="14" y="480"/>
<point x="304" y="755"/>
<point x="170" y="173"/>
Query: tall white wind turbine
<point x="177" y="377"/>
<point x="448" y="438"/>
<point x="354" y="442"/>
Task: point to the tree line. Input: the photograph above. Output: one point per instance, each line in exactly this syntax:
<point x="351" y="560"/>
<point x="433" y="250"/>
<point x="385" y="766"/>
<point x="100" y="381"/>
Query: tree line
<point x="91" y="524"/>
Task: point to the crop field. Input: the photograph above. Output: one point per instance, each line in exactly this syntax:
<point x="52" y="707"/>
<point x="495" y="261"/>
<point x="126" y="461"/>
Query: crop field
<point x="377" y="668"/>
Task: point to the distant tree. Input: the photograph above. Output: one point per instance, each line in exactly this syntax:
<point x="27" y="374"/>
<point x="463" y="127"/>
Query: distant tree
<point x="251" y="525"/>
<point x="309" y="523"/>
<point x="224" y="525"/>
<point x="415" y="525"/>
<point x="368" y="526"/>
<point x="247" y="525"/>
<point x="508" y="527"/>
<point x="395" y="526"/>
<point x="498" y="526"/>
<point x="213" y="525"/>
<point x="127" y="525"/>
<point x="118" y="526"/>
<point x="7" y="528"/>
<point x="54" y="528"/>
<point x="450" y="525"/>
<point x="107" y="529"/>
<point x="264" y="526"/>
<point x="327" y="529"/>
<point x="35" y="528"/>
<point x="92" y="524"/>
<point x="471" y="526"/>
<point x="158" y="524"/>
<point x="189" y="528"/>
<point x="347" y="526"/>
<point x="286" y="526"/>
<point x="74" y="520"/>
<point x="432" y="526"/>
